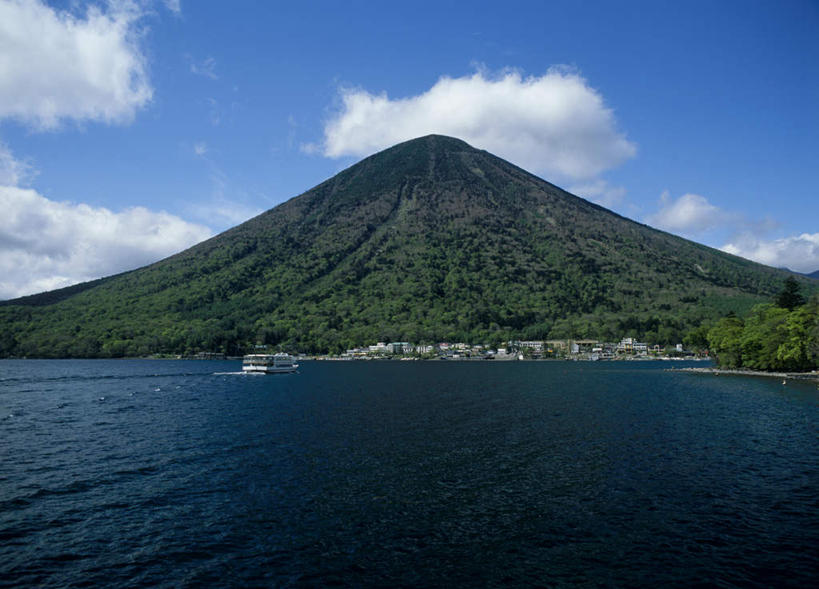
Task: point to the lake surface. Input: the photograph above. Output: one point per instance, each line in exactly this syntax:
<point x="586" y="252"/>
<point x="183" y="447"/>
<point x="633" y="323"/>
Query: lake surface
<point x="171" y="473"/>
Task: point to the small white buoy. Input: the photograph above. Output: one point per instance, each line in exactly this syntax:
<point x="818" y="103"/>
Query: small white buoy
<point x="784" y="382"/>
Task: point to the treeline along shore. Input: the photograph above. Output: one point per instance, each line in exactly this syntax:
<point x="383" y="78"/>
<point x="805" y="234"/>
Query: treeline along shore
<point x="779" y="337"/>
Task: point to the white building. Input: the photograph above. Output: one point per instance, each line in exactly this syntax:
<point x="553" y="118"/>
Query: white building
<point x="379" y="348"/>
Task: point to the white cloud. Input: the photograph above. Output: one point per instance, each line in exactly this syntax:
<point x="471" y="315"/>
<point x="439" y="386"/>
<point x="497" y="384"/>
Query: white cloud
<point x="46" y="244"/>
<point x="691" y="214"/>
<point x="200" y="148"/>
<point x="599" y="191"/>
<point x="174" y="6"/>
<point x="555" y="124"/>
<point x="55" y="65"/>
<point x="800" y="253"/>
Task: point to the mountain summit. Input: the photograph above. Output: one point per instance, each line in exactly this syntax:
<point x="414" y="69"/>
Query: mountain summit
<point x="429" y="240"/>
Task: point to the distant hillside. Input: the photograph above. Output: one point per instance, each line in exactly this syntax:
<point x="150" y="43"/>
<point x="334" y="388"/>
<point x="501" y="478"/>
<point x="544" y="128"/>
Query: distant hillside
<point x="430" y="240"/>
<point x="814" y="275"/>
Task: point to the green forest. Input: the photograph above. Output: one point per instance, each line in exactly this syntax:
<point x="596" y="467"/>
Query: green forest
<point x="779" y="336"/>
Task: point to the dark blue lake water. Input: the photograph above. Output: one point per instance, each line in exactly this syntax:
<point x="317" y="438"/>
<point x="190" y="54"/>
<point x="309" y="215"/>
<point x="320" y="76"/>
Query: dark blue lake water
<point x="168" y="473"/>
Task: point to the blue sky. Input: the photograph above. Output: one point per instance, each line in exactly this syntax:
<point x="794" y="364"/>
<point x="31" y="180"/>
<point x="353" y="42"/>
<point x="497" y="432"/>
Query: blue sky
<point x="132" y="129"/>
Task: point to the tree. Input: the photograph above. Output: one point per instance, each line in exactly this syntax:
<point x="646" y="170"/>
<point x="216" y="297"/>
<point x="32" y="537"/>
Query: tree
<point x="725" y="340"/>
<point x="764" y="331"/>
<point x="813" y="341"/>
<point x="790" y="297"/>
<point x="697" y="339"/>
<point x="770" y="338"/>
<point x="795" y="352"/>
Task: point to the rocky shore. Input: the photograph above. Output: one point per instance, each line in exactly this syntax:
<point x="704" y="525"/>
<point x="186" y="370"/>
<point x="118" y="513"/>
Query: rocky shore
<point x="813" y="376"/>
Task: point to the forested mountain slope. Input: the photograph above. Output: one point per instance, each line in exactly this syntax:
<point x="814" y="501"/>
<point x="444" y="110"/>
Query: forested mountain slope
<point x="429" y="240"/>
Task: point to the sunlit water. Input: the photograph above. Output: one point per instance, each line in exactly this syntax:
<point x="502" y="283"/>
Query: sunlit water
<point x="179" y="473"/>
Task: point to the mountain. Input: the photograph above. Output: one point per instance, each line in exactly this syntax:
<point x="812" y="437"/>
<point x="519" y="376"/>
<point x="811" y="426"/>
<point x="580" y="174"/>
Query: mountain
<point x="814" y="275"/>
<point x="430" y="240"/>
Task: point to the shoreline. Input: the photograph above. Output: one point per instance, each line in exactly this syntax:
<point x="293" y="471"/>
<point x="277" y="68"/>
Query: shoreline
<point x="312" y="358"/>
<point x="809" y="376"/>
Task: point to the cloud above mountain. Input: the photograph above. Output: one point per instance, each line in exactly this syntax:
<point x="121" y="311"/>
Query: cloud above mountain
<point x="56" y="66"/>
<point x="46" y="244"/>
<point x="689" y="215"/>
<point x="798" y="252"/>
<point x="601" y="192"/>
<point x="554" y="124"/>
<point x="692" y="215"/>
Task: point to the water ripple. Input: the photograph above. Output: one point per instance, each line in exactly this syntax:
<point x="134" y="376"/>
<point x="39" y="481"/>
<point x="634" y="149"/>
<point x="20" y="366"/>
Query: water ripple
<point x="149" y="473"/>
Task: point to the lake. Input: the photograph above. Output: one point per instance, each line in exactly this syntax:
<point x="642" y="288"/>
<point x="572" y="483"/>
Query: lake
<point x="183" y="473"/>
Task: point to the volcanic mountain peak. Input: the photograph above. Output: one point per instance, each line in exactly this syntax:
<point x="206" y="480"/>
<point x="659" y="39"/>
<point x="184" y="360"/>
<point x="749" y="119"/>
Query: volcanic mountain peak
<point x="428" y="240"/>
<point x="432" y="176"/>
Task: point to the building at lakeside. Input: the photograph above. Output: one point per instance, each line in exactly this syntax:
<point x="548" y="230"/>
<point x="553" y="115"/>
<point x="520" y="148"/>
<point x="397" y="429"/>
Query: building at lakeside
<point x="628" y="345"/>
<point x="536" y="349"/>
<point x="396" y="348"/>
<point x="379" y="348"/>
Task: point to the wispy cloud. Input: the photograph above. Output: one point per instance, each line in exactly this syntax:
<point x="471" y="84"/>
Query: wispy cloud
<point x="14" y="172"/>
<point x="174" y="6"/>
<point x="46" y="244"/>
<point x="228" y="205"/>
<point x="200" y="148"/>
<point x="601" y="192"/>
<point x="214" y="111"/>
<point x="224" y="212"/>
<point x="60" y="66"/>
<point x="554" y="124"/>
<point x="205" y="68"/>
<point x="292" y="127"/>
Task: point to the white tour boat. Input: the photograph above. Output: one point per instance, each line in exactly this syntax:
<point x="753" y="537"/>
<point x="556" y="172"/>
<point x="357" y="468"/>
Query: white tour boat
<point x="269" y="363"/>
